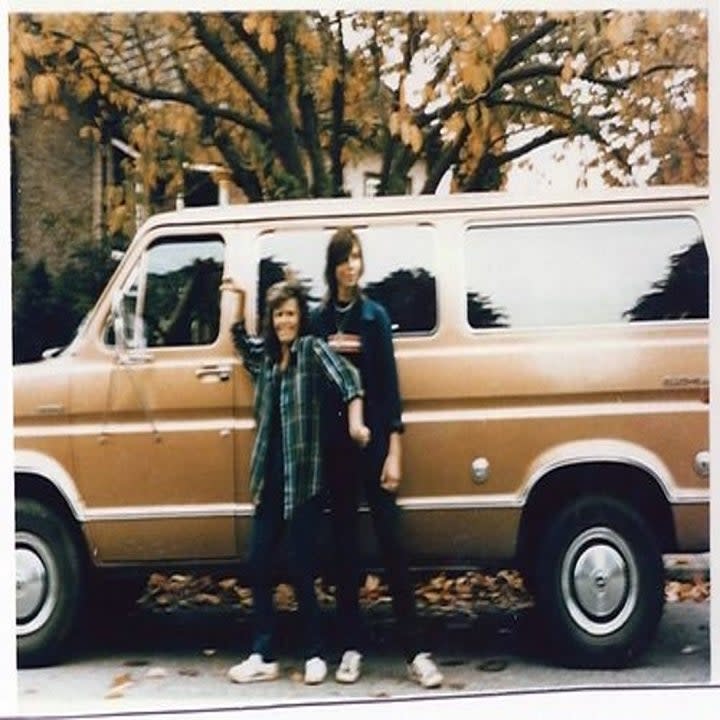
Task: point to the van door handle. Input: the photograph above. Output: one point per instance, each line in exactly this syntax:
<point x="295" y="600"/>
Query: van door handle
<point x="207" y="372"/>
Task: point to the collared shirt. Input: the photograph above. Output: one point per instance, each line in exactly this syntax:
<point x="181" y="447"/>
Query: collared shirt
<point x="301" y="386"/>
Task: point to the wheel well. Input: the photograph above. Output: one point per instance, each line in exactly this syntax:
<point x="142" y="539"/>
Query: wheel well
<point x="559" y="487"/>
<point x="36" y="487"/>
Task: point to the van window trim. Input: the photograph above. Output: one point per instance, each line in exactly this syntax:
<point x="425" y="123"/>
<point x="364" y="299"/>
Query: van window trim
<point x="140" y="265"/>
<point x="306" y="225"/>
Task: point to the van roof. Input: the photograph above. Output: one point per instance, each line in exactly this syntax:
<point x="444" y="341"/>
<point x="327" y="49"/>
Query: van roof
<point x="458" y="202"/>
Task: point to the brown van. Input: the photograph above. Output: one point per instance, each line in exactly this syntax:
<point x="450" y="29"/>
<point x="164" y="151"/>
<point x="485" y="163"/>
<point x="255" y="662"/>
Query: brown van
<point x="553" y="362"/>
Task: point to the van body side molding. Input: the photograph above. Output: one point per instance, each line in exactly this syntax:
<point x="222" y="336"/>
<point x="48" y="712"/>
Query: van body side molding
<point x="169" y="512"/>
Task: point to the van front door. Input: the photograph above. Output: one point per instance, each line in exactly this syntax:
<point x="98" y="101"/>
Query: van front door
<point x="165" y="445"/>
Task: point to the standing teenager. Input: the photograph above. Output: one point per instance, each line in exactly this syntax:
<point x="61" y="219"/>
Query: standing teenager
<point x="291" y="370"/>
<point x="359" y="329"/>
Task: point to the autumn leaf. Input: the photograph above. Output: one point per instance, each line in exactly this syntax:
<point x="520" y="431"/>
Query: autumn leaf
<point x="45" y="88"/>
<point x="90" y="132"/>
<point x="206" y="599"/>
<point x="477" y="76"/>
<point x="250" y="23"/>
<point x="267" y="41"/>
<point x="497" y="39"/>
<point x="251" y="122"/>
<point x="119" y="685"/>
<point x="620" y="29"/>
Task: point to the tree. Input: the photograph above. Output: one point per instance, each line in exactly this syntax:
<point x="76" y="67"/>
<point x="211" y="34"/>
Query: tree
<point x="47" y="309"/>
<point x="682" y="293"/>
<point x="482" y="314"/>
<point x="38" y="321"/>
<point x="409" y="298"/>
<point x="286" y="100"/>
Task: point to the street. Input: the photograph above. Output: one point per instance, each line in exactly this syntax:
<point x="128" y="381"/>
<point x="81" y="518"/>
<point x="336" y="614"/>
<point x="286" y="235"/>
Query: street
<point x="145" y="661"/>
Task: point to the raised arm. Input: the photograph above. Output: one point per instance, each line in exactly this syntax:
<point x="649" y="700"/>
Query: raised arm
<point x="250" y="347"/>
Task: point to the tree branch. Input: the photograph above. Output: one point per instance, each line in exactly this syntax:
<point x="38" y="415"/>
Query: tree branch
<point x="212" y="43"/>
<point x="447" y="159"/>
<point x="515" y="52"/>
<point x="242" y="175"/>
<point x="528" y="105"/>
<point x="199" y="103"/>
<point x="526" y="72"/>
<point x="235" y="22"/>
<point x="547" y="137"/>
<point x="284" y="134"/>
<point x="624" y="83"/>
<point x="338" y="115"/>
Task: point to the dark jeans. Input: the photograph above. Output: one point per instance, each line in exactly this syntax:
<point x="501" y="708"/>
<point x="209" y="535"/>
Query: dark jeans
<point x="350" y="473"/>
<point x="267" y="530"/>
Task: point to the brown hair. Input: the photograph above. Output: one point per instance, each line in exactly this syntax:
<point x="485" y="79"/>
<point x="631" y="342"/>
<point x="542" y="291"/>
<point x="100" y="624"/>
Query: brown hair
<point x="277" y="294"/>
<point x="338" y="250"/>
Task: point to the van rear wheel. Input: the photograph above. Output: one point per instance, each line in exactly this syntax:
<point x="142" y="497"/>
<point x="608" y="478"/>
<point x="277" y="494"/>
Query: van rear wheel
<point x="48" y="583"/>
<point x="600" y="584"/>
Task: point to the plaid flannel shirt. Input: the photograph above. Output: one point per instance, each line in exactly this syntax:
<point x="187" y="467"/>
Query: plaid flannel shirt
<point x="301" y="386"/>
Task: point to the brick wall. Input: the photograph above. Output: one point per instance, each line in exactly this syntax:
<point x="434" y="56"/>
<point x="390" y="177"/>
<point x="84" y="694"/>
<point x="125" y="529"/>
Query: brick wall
<point x="54" y="188"/>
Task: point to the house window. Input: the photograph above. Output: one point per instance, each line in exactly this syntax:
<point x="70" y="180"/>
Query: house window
<point x="371" y="183"/>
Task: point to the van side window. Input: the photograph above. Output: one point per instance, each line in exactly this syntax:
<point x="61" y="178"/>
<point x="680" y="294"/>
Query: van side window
<point x="175" y="294"/>
<point x="182" y="301"/>
<point x="399" y="269"/>
<point x="586" y="273"/>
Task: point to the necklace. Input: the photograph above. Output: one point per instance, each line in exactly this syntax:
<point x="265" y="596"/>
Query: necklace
<point x="342" y="313"/>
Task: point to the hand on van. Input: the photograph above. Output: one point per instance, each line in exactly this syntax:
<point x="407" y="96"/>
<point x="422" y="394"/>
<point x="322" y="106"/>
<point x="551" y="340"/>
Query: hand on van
<point x="227" y="284"/>
<point x="359" y="432"/>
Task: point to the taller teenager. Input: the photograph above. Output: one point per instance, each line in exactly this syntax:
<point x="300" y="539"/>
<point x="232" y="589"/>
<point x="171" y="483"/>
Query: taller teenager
<point x="358" y="328"/>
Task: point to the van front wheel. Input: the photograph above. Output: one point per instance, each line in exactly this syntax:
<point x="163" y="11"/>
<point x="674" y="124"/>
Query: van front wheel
<point x="48" y="583"/>
<point x="600" y="584"/>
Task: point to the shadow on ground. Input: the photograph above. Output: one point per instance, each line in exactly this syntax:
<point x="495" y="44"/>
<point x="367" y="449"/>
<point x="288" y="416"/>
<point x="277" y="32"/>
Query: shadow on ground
<point x="116" y="622"/>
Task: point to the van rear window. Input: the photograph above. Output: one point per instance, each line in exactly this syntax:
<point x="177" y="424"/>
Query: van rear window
<point x="586" y="273"/>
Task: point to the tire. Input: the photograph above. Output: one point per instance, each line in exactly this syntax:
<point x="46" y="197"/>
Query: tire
<point x="49" y="584"/>
<point x="600" y="584"/>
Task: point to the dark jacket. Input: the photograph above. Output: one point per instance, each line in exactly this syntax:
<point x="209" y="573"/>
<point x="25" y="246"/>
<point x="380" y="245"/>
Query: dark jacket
<point x="382" y="404"/>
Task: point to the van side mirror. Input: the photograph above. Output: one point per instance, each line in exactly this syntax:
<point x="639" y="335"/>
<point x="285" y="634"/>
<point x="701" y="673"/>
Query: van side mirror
<point x="118" y="323"/>
<point x="129" y="330"/>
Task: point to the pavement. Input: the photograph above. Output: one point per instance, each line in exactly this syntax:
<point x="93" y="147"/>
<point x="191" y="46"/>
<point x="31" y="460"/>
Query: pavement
<point x="686" y="567"/>
<point x="179" y="661"/>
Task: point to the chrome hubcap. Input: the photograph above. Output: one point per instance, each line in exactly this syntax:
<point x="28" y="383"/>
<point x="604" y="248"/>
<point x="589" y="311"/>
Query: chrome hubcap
<point x="599" y="581"/>
<point x="36" y="582"/>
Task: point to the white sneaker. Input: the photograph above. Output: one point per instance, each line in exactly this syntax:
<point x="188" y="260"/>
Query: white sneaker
<point x="253" y="669"/>
<point x="349" y="669"/>
<point x="315" y="671"/>
<point x="424" y="671"/>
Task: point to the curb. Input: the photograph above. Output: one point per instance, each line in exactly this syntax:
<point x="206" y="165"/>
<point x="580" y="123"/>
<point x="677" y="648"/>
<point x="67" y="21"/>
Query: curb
<point x="686" y="568"/>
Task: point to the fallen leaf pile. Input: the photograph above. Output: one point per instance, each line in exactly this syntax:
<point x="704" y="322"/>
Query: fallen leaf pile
<point x="698" y="590"/>
<point x="469" y="593"/>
